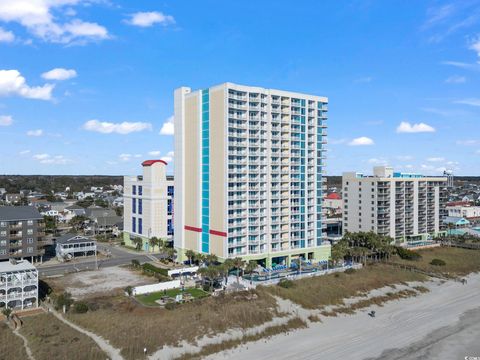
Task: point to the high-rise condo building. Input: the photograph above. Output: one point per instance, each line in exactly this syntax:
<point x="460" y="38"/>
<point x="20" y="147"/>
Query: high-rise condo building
<point x="148" y="205"/>
<point x="407" y="207"/>
<point x="249" y="166"/>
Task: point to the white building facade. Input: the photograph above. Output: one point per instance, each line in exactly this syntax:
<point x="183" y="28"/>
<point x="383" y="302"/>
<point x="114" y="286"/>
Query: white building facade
<point x="249" y="166"/>
<point x="406" y="207"/>
<point x="467" y="212"/>
<point x="18" y="285"/>
<point x="148" y="204"/>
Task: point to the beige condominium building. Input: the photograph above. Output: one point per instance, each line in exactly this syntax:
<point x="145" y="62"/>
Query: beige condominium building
<point x="407" y="207"/>
<point x="148" y="205"/>
<point x="249" y="165"/>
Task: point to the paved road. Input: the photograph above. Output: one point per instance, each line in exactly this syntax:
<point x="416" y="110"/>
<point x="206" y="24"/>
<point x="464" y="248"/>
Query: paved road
<point x="118" y="257"/>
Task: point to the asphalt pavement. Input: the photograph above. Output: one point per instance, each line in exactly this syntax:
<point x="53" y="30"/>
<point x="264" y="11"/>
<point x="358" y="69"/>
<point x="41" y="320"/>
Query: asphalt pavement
<point x="118" y="256"/>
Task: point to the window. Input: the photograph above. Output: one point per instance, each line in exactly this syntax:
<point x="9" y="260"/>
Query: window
<point x="30" y="222"/>
<point x="3" y="242"/>
<point x="140" y="206"/>
<point x="29" y="241"/>
<point x="3" y="233"/>
<point x="140" y="190"/>
<point x="140" y="225"/>
<point x="134" y="206"/>
<point x="30" y="231"/>
<point x="30" y="249"/>
<point x="134" y="224"/>
<point x="3" y="252"/>
<point x="3" y="224"/>
<point x="134" y="190"/>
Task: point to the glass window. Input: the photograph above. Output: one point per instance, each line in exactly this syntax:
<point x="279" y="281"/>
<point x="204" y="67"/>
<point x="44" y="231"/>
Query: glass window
<point x="140" y="225"/>
<point x="134" y="190"/>
<point x="140" y="206"/>
<point x="140" y="190"/>
<point x="134" y="206"/>
<point x="134" y="224"/>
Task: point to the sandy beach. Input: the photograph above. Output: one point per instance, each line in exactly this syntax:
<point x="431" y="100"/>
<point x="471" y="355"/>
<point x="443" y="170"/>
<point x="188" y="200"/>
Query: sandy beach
<point x="441" y="324"/>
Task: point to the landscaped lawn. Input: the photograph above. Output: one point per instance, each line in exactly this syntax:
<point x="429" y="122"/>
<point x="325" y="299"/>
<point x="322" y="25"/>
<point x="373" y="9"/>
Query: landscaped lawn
<point x="150" y="299"/>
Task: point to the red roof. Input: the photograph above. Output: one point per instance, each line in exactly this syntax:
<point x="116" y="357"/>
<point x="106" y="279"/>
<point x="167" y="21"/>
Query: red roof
<point x="151" y="162"/>
<point x="459" y="203"/>
<point x="334" y="196"/>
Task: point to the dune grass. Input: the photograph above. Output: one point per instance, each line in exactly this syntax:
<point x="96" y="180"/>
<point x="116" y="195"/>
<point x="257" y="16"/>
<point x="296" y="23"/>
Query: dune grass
<point x="51" y="339"/>
<point x="459" y="262"/>
<point x="291" y="325"/>
<point x="11" y="346"/>
<point x="132" y="327"/>
<point x="320" y="291"/>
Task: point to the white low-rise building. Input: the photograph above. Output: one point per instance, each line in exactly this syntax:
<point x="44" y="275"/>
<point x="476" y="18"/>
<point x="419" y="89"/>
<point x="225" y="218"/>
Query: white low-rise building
<point x="71" y="245"/>
<point x="467" y="212"/>
<point x="18" y="285"/>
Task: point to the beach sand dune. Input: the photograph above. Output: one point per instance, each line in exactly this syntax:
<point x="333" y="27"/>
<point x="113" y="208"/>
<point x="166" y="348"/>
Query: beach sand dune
<point x="441" y="324"/>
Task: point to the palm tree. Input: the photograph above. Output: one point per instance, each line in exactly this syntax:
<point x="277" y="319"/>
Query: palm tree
<point x="190" y="254"/>
<point x="153" y="242"/>
<point x="239" y="264"/>
<point x="211" y="259"/>
<point x="171" y="254"/>
<point x="138" y="242"/>
<point x="228" y="265"/>
<point x="250" y="268"/>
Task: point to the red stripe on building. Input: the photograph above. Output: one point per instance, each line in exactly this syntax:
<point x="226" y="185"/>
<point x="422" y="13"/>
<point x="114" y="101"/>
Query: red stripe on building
<point x="193" y="228"/>
<point x="219" y="233"/>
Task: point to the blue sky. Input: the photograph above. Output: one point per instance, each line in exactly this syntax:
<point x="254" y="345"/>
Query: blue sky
<point x="87" y="86"/>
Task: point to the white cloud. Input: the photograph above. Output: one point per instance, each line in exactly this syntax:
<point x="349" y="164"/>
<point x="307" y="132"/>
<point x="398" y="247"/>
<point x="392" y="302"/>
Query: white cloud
<point x="154" y="152"/>
<point x="38" y="132"/>
<point x="376" y="161"/>
<point x="40" y="17"/>
<point x="475" y="45"/>
<point x="147" y="19"/>
<point x="406" y="127"/>
<point x="125" y="157"/>
<point x="404" y="157"/>
<point x="118" y="128"/>
<point x="13" y="83"/>
<point x="169" y="157"/>
<point x="168" y="127"/>
<point x="468" y="142"/>
<point x="6" y="36"/>
<point x="59" y="74"/>
<point x="24" y="152"/>
<point x="435" y="159"/>
<point x="49" y="159"/>
<point x="6" y="120"/>
<point x="469" y="101"/>
<point x="455" y="79"/>
<point x="361" y="141"/>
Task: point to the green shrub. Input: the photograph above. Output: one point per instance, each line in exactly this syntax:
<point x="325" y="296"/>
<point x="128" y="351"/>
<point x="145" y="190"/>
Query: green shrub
<point x="407" y="254"/>
<point x="64" y="299"/>
<point x="438" y="262"/>
<point x="286" y="284"/>
<point x="149" y="268"/>
<point x="80" y="307"/>
<point x="350" y="271"/>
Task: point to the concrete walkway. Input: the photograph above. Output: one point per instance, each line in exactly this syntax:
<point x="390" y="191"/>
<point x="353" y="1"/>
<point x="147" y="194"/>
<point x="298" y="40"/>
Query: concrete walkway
<point x="113" y="353"/>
